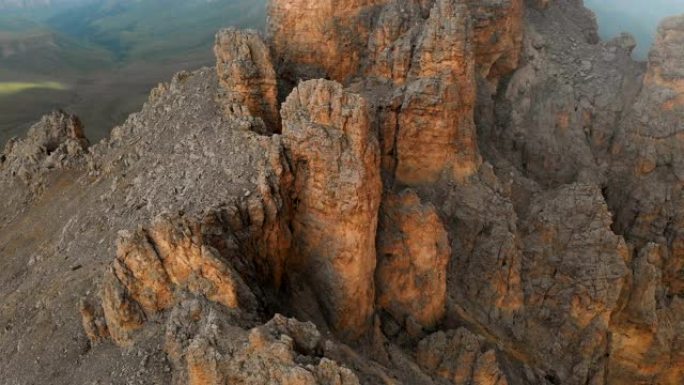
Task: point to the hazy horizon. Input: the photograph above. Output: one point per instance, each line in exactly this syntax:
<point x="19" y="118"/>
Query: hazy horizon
<point x="100" y="58"/>
<point x="639" y="18"/>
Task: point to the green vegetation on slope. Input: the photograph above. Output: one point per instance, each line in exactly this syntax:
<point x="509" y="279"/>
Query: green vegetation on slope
<point x="9" y="88"/>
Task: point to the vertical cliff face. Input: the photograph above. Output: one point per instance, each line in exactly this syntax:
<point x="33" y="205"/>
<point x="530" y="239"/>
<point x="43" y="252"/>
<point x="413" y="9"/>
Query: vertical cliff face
<point x="648" y="151"/>
<point x="646" y="192"/>
<point x="330" y="44"/>
<point x="465" y="192"/>
<point x="413" y="253"/>
<point x="438" y="102"/>
<point x="498" y="35"/>
<point x="247" y="77"/>
<point x="337" y="191"/>
<point x="429" y="51"/>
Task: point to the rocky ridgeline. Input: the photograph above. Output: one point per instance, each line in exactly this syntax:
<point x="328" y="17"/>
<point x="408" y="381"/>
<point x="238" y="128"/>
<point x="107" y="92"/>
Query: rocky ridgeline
<point x="447" y="191"/>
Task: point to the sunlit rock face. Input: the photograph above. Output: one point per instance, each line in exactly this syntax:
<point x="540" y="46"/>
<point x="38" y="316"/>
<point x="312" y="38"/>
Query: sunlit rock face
<point x="442" y="192"/>
<point x="247" y="77"/>
<point x="413" y="252"/>
<point x="337" y="190"/>
<point x="460" y="357"/>
<point x="646" y="191"/>
<point x="435" y="132"/>
<point x="330" y="44"/>
<point x="429" y="51"/>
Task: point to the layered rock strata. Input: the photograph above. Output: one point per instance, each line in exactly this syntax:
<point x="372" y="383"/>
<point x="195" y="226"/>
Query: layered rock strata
<point x="413" y="253"/>
<point x="337" y="191"/>
<point x="247" y="77"/>
<point x="465" y="202"/>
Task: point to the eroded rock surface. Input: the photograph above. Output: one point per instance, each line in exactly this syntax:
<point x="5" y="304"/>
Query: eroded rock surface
<point x="465" y="192"/>
<point x="247" y="77"/>
<point x="54" y="142"/>
<point x="413" y="253"/>
<point x="337" y="190"/>
<point x="460" y="357"/>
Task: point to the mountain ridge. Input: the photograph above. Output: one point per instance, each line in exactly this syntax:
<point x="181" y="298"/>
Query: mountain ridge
<point x="374" y="191"/>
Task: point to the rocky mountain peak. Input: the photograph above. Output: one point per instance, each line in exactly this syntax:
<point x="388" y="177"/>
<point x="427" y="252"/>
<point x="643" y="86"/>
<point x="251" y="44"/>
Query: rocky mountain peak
<point x="376" y="192"/>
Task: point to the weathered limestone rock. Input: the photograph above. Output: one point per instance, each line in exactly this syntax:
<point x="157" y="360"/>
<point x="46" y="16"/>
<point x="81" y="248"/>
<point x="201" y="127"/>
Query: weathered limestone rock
<point x="430" y="51"/>
<point x="665" y="68"/>
<point x="461" y="358"/>
<point x="152" y="266"/>
<point x="53" y="142"/>
<point x="281" y="351"/>
<point x="435" y="127"/>
<point x="574" y="273"/>
<point x="191" y="263"/>
<point x="484" y="272"/>
<point x="122" y="314"/>
<point x="330" y="44"/>
<point x="413" y="252"/>
<point x="247" y="77"/>
<point x="93" y="321"/>
<point x="645" y="343"/>
<point x="498" y="27"/>
<point x="337" y="192"/>
<point x="645" y="188"/>
<point x="556" y="117"/>
<point x="139" y="269"/>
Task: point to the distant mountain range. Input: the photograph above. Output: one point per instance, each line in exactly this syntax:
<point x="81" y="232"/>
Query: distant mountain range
<point x="23" y="4"/>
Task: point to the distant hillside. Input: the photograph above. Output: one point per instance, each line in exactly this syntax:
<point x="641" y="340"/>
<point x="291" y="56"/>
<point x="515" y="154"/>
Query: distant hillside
<point x="35" y="49"/>
<point x="106" y="55"/>
<point x="155" y="29"/>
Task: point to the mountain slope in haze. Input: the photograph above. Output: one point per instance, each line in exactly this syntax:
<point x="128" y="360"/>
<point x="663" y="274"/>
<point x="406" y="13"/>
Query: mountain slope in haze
<point x="105" y="54"/>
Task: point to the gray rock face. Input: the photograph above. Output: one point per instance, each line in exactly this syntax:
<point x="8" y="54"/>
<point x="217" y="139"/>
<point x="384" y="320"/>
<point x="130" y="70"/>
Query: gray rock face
<point x="54" y="142"/>
<point x="487" y="195"/>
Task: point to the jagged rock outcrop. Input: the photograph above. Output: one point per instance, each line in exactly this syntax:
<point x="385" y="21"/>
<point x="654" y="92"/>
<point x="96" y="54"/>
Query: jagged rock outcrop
<point x="484" y="193"/>
<point x="645" y="175"/>
<point x="54" y="142"/>
<point x="460" y="357"/>
<point x="330" y="44"/>
<point x="574" y="272"/>
<point x="281" y="351"/>
<point x="556" y="117"/>
<point x="645" y="344"/>
<point x="429" y="51"/>
<point x="153" y="265"/>
<point x="435" y="132"/>
<point x="413" y="253"/>
<point x="247" y="77"/>
<point x="337" y="192"/>
<point x="484" y="275"/>
<point x="645" y="191"/>
<point x="498" y="35"/>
